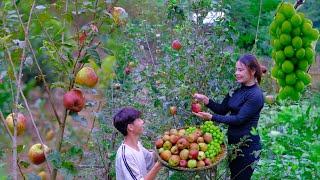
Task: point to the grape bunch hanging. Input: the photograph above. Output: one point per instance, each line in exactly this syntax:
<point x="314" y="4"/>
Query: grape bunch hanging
<point x="293" y="42"/>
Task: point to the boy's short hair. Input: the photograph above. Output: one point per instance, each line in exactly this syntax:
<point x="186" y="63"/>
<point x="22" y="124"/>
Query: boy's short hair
<point x="124" y="117"/>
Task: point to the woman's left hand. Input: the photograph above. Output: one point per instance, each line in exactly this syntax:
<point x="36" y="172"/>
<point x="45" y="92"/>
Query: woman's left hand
<point x="203" y="115"/>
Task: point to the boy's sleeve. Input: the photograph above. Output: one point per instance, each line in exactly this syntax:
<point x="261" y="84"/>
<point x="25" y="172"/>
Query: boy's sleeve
<point x="149" y="158"/>
<point x="129" y="166"/>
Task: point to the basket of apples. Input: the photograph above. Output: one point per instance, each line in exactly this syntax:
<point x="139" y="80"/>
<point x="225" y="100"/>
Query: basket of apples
<point x="191" y="148"/>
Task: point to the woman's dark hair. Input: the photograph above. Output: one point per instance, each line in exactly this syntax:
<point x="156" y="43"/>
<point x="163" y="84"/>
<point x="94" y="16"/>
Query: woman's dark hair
<point x="252" y="63"/>
<point x="124" y="117"/>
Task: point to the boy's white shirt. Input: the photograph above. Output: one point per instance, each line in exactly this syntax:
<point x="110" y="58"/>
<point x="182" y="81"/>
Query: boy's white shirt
<point x="133" y="164"/>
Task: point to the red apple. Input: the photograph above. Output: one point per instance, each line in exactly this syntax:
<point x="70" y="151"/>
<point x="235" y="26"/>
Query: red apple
<point x="87" y="77"/>
<point x="74" y="100"/>
<point x="182" y="143"/>
<point x="176" y="45"/>
<point x="207" y="137"/>
<point x="174" y="139"/>
<point x="193" y="154"/>
<point x="196" y="107"/>
<point x="36" y="153"/>
<point x="174" y="160"/>
<point x="183" y="163"/>
<point x="21" y="122"/>
<point x="165" y="155"/>
<point x="173" y="110"/>
<point x="192" y="163"/>
<point x="159" y="143"/>
<point x="207" y="161"/>
<point x="184" y="154"/>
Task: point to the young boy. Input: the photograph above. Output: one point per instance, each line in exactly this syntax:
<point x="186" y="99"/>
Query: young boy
<point x="133" y="161"/>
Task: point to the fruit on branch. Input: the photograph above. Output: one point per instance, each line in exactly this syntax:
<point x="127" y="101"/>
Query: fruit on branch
<point x="176" y="45"/>
<point x="293" y="41"/>
<point x="74" y="100"/>
<point x="87" y="77"/>
<point x="21" y="123"/>
<point x="173" y="110"/>
<point x="37" y="152"/>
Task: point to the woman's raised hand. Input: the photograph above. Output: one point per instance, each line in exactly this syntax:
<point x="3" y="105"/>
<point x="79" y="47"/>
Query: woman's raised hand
<point x="201" y="98"/>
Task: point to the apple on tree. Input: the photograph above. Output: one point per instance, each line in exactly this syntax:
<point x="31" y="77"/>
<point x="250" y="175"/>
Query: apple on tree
<point x="176" y="45"/>
<point x="37" y="153"/>
<point x="173" y="110"/>
<point x="20" y="120"/>
<point x="74" y="100"/>
<point x="87" y="77"/>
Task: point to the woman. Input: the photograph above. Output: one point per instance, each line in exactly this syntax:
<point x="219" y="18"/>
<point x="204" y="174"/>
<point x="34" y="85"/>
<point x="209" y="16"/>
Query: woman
<point x="244" y="107"/>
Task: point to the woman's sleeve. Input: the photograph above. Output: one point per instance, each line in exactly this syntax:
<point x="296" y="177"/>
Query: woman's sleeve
<point x="217" y="108"/>
<point x="249" y="109"/>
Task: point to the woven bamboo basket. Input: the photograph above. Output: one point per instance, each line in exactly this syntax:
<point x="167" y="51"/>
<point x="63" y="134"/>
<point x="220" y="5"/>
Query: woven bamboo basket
<point x="215" y="161"/>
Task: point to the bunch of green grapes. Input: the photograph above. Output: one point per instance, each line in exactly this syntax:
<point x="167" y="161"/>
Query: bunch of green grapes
<point x="190" y="130"/>
<point x="213" y="149"/>
<point x="293" y="42"/>
<point x="209" y="127"/>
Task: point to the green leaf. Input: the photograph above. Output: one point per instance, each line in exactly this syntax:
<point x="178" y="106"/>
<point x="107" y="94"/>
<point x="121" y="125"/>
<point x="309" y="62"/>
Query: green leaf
<point x="55" y="159"/>
<point x="69" y="166"/>
<point x="74" y="151"/>
<point x="20" y="148"/>
<point x="24" y="164"/>
<point x="108" y="64"/>
<point x="157" y="103"/>
<point x="94" y="54"/>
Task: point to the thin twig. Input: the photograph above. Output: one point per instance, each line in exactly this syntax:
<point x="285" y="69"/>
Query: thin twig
<point x="37" y="64"/>
<point x="89" y="135"/>
<point x="20" y="74"/>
